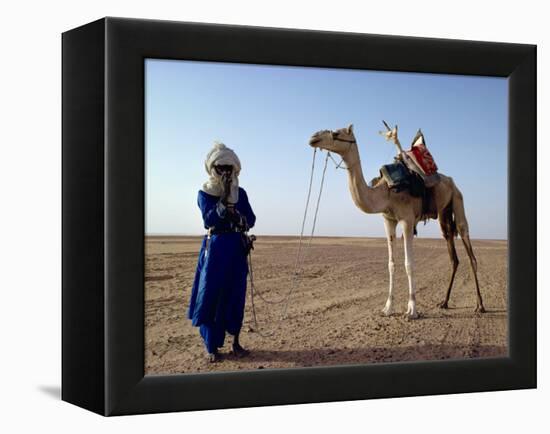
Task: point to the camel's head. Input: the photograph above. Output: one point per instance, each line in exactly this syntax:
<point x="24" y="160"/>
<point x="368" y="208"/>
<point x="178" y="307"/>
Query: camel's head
<point x="339" y="141"/>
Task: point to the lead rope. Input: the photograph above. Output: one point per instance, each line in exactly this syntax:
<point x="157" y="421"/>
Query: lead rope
<point x="296" y="274"/>
<point x="297" y="262"/>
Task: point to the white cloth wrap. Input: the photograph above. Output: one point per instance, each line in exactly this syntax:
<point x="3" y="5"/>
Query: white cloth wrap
<point x="222" y="155"/>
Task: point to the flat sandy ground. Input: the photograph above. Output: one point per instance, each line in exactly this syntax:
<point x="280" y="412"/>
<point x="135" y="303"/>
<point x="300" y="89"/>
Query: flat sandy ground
<point x="334" y="314"/>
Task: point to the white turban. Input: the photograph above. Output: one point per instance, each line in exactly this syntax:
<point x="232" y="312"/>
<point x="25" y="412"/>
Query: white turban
<point x="222" y="155"/>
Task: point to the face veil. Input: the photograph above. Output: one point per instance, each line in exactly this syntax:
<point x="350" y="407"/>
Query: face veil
<point x="222" y="155"/>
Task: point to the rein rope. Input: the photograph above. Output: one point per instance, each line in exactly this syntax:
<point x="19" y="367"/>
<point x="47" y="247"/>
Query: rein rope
<point x="338" y="165"/>
<point x="295" y="274"/>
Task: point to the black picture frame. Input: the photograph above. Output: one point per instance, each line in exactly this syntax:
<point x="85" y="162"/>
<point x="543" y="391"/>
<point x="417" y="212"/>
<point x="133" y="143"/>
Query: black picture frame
<point x="103" y="215"/>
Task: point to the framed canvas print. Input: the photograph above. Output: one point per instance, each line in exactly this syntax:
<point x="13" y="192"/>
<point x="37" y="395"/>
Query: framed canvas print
<point x="257" y="216"/>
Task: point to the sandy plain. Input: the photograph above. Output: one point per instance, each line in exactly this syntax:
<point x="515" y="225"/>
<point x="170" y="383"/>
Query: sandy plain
<point x="334" y="313"/>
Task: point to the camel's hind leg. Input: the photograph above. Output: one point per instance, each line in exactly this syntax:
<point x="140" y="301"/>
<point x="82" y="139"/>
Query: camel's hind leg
<point x="473" y="262"/>
<point x="462" y="226"/>
<point x="449" y="231"/>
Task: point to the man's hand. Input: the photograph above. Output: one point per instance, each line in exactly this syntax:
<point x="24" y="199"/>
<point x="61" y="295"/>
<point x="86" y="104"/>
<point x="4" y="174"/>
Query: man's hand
<point x="236" y="218"/>
<point x="226" y="184"/>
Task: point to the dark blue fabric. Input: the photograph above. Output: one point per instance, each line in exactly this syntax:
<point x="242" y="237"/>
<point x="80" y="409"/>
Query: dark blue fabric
<point x="219" y="290"/>
<point x="396" y="175"/>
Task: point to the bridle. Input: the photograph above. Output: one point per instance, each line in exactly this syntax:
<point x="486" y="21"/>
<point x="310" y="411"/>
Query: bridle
<point x="334" y="136"/>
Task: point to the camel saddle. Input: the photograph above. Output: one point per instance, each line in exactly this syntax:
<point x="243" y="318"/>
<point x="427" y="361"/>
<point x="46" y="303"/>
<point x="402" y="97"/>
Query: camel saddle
<point x="399" y="177"/>
<point x="413" y="171"/>
<point x="418" y="159"/>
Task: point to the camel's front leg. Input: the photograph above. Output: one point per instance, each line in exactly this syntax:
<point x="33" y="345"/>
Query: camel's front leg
<point x="408" y="235"/>
<point x="390" y="225"/>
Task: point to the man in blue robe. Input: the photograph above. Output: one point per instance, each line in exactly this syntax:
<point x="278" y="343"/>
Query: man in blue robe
<point x="219" y="289"/>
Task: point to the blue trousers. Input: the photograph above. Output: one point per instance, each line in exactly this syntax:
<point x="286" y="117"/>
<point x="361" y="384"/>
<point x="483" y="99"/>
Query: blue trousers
<point x="219" y="291"/>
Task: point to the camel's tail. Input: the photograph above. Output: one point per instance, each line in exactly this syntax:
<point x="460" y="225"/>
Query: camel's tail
<point x="459" y="222"/>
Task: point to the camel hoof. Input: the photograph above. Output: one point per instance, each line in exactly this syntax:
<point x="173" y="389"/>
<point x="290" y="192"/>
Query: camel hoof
<point x="411" y="310"/>
<point x="412" y="315"/>
<point x="388" y="308"/>
<point x="480" y="309"/>
<point x="443" y="305"/>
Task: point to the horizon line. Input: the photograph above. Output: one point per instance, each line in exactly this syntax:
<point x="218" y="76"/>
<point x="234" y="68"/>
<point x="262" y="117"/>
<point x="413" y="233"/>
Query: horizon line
<point x="315" y="236"/>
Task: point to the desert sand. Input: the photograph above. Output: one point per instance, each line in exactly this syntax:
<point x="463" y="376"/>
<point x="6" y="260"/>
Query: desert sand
<point x="334" y="314"/>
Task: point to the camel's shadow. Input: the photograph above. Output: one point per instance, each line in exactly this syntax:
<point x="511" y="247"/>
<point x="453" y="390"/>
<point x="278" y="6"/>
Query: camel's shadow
<point x="346" y="356"/>
<point x="461" y="313"/>
<point x="449" y="314"/>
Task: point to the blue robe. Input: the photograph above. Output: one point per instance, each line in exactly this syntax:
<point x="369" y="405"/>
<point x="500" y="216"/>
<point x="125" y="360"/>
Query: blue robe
<point x="219" y="290"/>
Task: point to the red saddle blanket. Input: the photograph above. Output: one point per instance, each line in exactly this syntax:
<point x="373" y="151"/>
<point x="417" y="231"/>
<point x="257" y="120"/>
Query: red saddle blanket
<point x="421" y="156"/>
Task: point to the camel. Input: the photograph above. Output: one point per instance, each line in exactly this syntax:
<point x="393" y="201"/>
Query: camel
<point x="445" y="204"/>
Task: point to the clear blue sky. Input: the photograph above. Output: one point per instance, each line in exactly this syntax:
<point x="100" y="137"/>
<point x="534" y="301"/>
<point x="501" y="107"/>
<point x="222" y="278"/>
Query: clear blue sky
<point x="267" y="114"/>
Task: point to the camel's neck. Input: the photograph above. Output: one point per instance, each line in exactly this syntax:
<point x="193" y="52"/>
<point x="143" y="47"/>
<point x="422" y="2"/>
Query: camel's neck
<point x="369" y="200"/>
